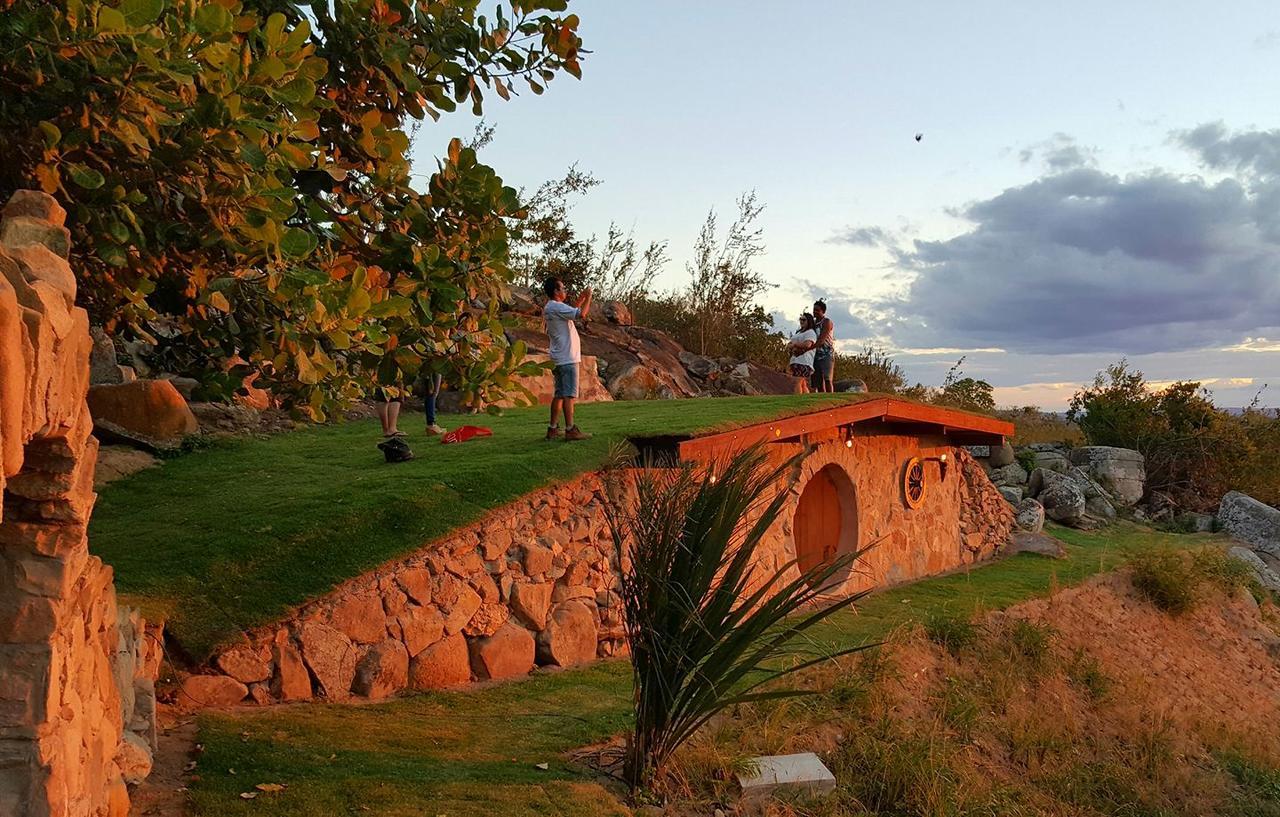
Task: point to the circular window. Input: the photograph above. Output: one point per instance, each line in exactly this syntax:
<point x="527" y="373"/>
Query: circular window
<point x="913" y="484"/>
<point x="826" y="519"/>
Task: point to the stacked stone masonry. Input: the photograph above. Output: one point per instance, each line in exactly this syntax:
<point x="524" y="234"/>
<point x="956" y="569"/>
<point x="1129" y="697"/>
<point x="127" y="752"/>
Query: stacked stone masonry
<point x="77" y="695"/>
<point x="534" y="583"/>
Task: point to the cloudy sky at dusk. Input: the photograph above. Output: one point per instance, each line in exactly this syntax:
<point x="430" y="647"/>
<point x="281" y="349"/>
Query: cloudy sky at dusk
<point x="1095" y="181"/>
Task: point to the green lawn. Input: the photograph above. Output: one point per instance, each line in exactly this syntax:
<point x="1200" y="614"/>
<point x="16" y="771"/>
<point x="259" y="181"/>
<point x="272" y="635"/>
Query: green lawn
<point x="475" y="753"/>
<point x="232" y="537"/>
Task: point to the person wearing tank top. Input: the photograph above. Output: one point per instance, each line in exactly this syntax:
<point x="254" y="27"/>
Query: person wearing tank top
<point x="824" y="357"/>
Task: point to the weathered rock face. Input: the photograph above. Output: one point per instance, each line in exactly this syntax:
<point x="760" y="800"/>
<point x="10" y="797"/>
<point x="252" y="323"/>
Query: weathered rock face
<point x="149" y="413"/>
<point x="330" y="656"/>
<point x="1252" y="522"/>
<point x="1062" y="499"/>
<point x="1261" y="570"/>
<point x="616" y="312"/>
<point x="508" y="653"/>
<point x="76" y="673"/>
<point x="1029" y="515"/>
<point x="383" y="671"/>
<point x="1000" y="456"/>
<point x="444" y="664"/>
<point x="571" y="635"/>
<point x="202" y="691"/>
<point x="1120" y="471"/>
<point x="1010" y="475"/>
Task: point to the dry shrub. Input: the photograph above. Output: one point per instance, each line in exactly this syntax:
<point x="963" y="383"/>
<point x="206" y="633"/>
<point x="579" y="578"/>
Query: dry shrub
<point x="1015" y="722"/>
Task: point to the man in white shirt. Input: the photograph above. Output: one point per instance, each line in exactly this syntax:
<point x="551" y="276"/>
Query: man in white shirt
<point x="566" y="354"/>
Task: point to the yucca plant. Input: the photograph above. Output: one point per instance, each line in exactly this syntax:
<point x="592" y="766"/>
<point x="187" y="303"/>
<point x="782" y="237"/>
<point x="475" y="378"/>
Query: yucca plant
<point x="707" y="630"/>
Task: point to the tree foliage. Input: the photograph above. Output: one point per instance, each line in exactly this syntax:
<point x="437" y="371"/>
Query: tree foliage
<point x="238" y="178"/>
<point x="547" y="243"/>
<point x="1194" y="451"/>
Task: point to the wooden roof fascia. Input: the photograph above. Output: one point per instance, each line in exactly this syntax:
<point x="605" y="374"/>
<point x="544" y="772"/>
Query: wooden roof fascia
<point x="948" y="421"/>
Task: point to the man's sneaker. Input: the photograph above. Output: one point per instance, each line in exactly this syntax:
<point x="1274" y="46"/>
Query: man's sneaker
<point x="435" y="430"/>
<point x="554" y="433"/>
<point x="574" y="434"/>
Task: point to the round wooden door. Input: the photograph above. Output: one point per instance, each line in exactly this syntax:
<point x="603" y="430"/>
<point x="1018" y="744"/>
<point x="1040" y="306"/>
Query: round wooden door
<point x="818" y="519"/>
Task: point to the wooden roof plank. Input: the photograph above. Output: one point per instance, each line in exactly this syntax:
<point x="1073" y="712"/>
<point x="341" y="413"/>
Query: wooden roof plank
<point x="971" y="426"/>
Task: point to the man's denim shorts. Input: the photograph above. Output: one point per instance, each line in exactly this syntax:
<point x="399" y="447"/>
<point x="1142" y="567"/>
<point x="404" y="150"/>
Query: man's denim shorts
<point x="566" y="377"/>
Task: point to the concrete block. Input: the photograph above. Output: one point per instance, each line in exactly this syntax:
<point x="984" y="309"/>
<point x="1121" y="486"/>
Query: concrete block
<point x="802" y="773"/>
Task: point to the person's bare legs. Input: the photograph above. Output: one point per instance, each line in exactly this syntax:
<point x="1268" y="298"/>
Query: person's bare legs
<point x="389" y="416"/>
<point x="568" y="412"/>
<point x="553" y="425"/>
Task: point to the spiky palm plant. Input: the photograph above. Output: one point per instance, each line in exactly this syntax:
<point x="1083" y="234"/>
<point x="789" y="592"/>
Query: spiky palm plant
<point x="707" y="629"/>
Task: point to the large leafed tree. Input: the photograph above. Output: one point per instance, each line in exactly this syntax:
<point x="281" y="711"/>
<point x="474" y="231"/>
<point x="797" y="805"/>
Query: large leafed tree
<point x="239" y="186"/>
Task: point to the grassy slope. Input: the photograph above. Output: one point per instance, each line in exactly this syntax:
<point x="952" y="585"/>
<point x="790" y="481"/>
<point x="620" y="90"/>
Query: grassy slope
<point x="474" y="753"/>
<point x="232" y="537"/>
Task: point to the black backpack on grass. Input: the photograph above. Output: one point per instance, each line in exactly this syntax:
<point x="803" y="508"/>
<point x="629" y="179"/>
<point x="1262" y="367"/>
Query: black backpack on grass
<point x="395" y="449"/>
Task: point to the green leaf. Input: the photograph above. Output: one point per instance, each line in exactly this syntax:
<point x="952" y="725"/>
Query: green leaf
<point x="86" y="177"/>
<point x="139" y="13"/>
<point x="212" y="19"/>
<point x="52" y="136"/>
<point x="297" y="243"/>
<point x="110" y="20"/>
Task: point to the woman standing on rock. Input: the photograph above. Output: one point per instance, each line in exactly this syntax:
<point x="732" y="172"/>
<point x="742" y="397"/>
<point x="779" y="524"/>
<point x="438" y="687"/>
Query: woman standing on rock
<point x="824" y="357"/>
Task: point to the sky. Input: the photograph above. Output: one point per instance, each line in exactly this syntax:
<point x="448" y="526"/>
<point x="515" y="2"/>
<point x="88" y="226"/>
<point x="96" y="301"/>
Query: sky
<point x="1094" y="180"/>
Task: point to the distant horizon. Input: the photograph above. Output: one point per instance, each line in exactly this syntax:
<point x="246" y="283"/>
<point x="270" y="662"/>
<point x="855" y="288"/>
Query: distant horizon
<point x="1088" y="186"/>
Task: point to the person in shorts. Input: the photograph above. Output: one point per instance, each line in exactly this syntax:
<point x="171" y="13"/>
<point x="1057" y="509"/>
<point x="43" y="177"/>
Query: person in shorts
<point x="801" y="346"/>
<point x="824" y="356"/>
<point x="566" y="355"/>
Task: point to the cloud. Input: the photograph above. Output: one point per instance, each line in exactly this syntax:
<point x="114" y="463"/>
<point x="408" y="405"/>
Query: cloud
<point x="862" y="237"/>
<point x="1082" y="261"/>
<point x="1059" y="152"/>
<point x="1253" y="153"/>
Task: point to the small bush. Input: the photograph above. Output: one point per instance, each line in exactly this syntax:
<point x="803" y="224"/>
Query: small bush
<point x="1166" y="579"/>
<point x="960" y="708"/>
<point x="953" y="633"/>
<point x="1085" y="672"/>
<point x="1027" y="459"/>
<point x="1257" y="792"/>
<point x="1030" y="641"/>
<point x="1173" y="580"/>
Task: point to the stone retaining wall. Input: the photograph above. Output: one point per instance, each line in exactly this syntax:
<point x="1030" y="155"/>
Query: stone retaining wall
<point x="72" y="664"/>
<point x="533" y="584"/>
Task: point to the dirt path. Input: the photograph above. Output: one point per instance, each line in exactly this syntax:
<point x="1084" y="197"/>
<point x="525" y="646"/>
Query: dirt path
<point x="164" y="793"/>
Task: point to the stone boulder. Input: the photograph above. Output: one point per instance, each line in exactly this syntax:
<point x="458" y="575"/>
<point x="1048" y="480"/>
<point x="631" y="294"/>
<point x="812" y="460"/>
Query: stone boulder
<point x="1250" y="521"/>
<point x="570" y="636"/>
<point x="1100" y="508"/>
<point x="530" y="603"/>
<point x="1010" y="475"/>
<point x="616" y="312"/>
<point x="1035" y="542"/>
<point x="697" y="365"/>
<point x="204" y="691"/>
<point x="1261" y="571"/>
<point x="850" y="386"/>
<point x="383" y="671"/>
<point x="1052" y="461"/>
<point x="146" y="413"/>
<point x="1029" y="515"/>
<point x="330" y="656"/>
<point x="508" y="653"/>
<point x="1001" y="455"/>
<point x="442" y="665"/>
<point x="134" y="759"/>
<point x="103" y="367"/>
<point x="1011" y="493"/>
<point x="635" y="381"/>
<point x="291" y="681"/>
<point x="1062" y="499"/>
<point x="1120" y="471"/>
<point x="243" y="664"/>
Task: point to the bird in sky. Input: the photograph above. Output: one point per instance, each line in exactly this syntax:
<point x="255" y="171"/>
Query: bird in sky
<point x="919" y="136"/>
